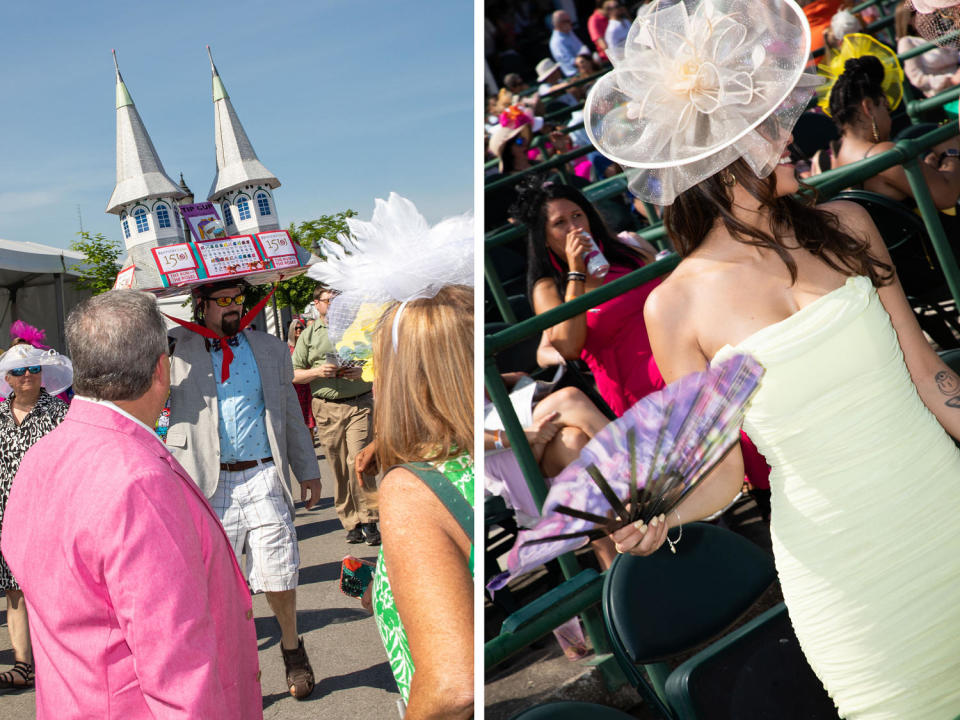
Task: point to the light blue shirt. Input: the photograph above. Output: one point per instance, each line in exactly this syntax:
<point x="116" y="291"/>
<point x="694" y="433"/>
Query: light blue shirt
<point x="243" y="419"/>
<point x="565" y="47"/>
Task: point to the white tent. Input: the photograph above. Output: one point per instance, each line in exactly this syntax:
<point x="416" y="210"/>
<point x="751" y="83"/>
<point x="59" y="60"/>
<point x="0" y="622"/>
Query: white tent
<point x="38" y="286"/>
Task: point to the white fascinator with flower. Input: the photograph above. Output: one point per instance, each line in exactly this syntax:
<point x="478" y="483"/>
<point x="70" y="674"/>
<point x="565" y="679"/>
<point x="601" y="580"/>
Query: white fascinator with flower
<point x="699" y="84"/>
<point x="396" y="257"/>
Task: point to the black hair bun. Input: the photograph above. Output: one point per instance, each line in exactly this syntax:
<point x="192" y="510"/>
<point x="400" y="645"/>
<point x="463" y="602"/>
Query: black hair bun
<point x="867" y="66"/>
<point x="531" y="195"/>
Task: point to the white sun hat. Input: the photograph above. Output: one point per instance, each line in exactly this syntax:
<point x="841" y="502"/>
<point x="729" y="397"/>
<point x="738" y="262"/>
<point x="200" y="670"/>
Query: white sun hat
<point x="57" y="373"/>
<point x="700" y="84"/>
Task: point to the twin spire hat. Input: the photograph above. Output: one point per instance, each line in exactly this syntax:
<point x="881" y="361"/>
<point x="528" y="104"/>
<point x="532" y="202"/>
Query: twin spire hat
<point x="700" y="84"/>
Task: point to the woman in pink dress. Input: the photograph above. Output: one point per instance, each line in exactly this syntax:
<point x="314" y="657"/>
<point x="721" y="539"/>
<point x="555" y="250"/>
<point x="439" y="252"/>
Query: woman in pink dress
<point x="612" y="337"/>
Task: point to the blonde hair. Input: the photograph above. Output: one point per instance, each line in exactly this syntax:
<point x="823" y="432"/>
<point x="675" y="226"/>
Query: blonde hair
<point x="423" y="389"/>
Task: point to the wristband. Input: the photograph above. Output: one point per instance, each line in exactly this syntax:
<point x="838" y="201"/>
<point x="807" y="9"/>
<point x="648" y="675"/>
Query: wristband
<point x="950" y="152"/>
<point x="574" y="276"/>
<point x="498" y="443"/>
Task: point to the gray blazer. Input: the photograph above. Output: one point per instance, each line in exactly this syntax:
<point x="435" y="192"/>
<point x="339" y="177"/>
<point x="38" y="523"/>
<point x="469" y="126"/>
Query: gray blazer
<point x="193" y="437"/>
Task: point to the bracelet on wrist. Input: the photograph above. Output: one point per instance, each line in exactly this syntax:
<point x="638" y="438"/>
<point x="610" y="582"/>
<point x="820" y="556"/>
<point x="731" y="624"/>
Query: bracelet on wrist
<point x="573" y="276"/>
<point x="498" y="442"/>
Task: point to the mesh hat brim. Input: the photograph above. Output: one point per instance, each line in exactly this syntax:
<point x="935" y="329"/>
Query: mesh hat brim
<point x="696" y="88"/>
<point x="938" y="22"/>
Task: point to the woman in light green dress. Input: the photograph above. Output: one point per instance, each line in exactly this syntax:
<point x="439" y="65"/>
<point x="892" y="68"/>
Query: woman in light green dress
<point x="423" y="423"/>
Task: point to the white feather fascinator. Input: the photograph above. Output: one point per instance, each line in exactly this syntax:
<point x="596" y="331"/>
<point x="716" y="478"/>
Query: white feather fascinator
<point x="395" y="257"/>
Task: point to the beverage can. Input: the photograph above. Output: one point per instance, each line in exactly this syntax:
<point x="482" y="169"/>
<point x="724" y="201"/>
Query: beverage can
<point x="597" y="264"/>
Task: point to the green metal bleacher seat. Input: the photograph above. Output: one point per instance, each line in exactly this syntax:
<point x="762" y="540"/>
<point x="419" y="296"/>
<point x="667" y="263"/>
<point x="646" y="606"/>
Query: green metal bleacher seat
<point x="664" y="605"/>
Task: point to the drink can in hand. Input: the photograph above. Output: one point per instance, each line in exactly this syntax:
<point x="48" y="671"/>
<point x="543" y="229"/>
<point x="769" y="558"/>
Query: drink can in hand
<point x="597" y="264"/>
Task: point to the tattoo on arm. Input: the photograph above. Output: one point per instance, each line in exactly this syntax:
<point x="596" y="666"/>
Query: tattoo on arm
<point x="949" y="384"/>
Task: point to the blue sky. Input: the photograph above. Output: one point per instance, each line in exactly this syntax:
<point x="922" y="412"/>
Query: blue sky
<point x="343" y="100"/>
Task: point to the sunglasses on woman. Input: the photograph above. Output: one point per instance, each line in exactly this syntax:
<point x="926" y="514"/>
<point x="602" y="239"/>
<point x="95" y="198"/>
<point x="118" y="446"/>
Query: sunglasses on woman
<point x="226" y="301"/>
<point x="20" y="372"/>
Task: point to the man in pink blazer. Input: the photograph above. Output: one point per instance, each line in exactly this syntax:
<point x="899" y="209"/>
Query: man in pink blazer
<point x="137" y="606"/>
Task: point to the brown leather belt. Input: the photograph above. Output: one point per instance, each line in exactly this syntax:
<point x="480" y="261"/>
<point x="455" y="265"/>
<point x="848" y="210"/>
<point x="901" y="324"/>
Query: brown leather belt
<point x="244" y="464"/>
<point x="349" y="399"/>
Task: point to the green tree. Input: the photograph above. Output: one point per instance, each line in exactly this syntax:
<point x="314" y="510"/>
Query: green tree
<point x="102" y="258"/>
<point x="298" y="291"/>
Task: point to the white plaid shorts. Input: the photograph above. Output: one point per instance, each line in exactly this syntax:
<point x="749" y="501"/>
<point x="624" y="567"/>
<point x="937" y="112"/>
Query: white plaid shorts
<point x="255" y="514"/>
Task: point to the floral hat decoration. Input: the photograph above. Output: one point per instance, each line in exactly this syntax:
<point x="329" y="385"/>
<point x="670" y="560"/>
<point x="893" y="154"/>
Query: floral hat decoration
<point x="700" y="84"/>
<point x="395" y="257"/>
<point x="56" y="369"/>
<point x="857" y="45"/>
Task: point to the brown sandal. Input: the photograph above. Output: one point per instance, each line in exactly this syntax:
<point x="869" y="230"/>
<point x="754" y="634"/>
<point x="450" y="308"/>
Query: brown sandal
<point x="19" y="677"/>
<point x="299" y="673"/>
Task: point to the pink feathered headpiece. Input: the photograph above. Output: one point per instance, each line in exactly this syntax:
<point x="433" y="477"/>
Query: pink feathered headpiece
<point x="34" y="336"/>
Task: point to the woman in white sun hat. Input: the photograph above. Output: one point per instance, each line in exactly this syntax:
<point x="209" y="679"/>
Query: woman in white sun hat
<point x="852" y="408"/>
<point x="29" y="379"/>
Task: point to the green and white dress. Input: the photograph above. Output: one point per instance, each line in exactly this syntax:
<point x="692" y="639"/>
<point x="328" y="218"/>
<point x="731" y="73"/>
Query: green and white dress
<point x="459" y="471"/>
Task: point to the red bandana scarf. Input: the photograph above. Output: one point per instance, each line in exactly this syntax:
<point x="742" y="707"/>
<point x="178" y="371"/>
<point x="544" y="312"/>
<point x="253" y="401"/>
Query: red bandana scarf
<point x="208" y="333"/>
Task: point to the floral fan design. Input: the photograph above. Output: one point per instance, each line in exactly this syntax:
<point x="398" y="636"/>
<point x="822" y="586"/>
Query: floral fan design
<point x="642" y="464"/>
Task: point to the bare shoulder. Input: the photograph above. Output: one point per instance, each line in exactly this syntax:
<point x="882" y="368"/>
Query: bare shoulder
<point x="850" y="215"/>
<point x="402" y="493"/>
<point x="667" y="303"/>
<point x="855" y="220"/>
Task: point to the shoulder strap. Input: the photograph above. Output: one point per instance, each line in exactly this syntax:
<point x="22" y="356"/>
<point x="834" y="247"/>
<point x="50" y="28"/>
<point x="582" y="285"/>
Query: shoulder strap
<point x="446" y="493"/>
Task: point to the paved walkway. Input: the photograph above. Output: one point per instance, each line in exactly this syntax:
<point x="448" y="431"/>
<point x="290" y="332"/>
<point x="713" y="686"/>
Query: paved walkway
<point x="353" y="678"/>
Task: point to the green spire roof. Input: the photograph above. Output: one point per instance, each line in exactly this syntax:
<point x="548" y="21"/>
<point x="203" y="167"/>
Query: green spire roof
<point x="219" y="91"/>
<point x="123" y="95"/>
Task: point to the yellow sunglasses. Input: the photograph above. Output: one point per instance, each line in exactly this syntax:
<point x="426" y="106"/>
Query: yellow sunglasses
<point x="227" y="301"/>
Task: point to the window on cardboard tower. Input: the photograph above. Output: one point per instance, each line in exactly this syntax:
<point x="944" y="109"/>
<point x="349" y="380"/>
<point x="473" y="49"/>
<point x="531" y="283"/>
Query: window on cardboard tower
<point x="163" y="216"/>
<point x="263" y="203"/>
<point x="243" y="209"/>
<point x="143" y="224"/>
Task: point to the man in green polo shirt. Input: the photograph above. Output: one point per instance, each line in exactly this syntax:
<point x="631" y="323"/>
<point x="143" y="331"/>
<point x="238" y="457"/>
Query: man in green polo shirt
<point x="343" y="410"/>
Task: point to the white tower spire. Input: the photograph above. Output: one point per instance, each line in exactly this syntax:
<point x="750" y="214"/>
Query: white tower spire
<point x="242" y="187"/>
<point x="144" y="194"/>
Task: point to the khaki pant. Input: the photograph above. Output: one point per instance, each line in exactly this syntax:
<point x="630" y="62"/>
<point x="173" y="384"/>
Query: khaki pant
<point x="344" y="429"/>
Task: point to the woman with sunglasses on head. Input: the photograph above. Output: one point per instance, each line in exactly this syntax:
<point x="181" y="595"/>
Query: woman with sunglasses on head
<point x="854" y="403"/>
<point x="29" y="378"/>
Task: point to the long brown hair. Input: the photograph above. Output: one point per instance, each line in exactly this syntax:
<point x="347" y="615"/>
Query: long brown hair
<point x="696" y="211"/>
<point x="423" y="389"/>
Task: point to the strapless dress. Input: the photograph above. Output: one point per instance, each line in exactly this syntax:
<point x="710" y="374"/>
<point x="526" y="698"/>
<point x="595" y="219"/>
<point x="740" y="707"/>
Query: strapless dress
<point x="865" y="500"/>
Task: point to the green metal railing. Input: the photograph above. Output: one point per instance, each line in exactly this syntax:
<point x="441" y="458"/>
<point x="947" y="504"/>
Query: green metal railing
<point x="578" y="593"/>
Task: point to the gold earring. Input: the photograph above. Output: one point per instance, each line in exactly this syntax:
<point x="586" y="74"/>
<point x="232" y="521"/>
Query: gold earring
<point x="876" y="135"/>
<point x="728" y="179"/>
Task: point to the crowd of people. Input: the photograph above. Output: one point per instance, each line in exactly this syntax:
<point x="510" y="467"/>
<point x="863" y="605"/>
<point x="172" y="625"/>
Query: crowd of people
<point x="809" y="290"/>
<point x="142" y="605"/>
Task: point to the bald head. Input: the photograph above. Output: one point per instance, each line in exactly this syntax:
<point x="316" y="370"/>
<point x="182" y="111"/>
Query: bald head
<point x="561" y="21"/>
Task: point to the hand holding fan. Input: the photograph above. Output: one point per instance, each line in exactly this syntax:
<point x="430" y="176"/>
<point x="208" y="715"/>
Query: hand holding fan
<point x="642" y="464"/>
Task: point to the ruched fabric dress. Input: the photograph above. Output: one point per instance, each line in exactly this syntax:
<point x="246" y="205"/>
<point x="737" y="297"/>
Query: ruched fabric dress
<point x="865" y="507"/>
